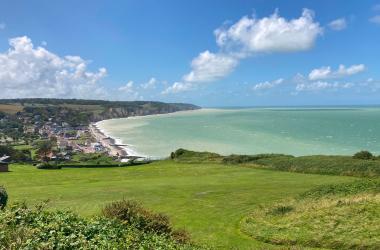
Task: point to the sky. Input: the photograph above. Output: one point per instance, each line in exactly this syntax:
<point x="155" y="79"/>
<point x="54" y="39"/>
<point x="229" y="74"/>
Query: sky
<point x="209" y="53"/>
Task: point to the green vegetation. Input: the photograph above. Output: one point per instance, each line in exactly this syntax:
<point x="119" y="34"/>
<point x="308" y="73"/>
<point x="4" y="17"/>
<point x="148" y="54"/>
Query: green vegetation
<point x="323" y="164"/>
<point x="134" y="214"/>
<point x="92" y="160"/>
<point x="36" y="228"/>
<point x="364" y="155"/>
<point x="187" y="156"/>
<point x="3" y="197"/>
<point x="17" y="155"/>
<point x="315" y="164"/>
<point x="206" y="199"/>
<point x="81" y="112"/>
<point x="344" y="216"/>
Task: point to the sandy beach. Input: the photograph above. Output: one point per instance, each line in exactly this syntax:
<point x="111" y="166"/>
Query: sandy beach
<point x="109" y="143"/>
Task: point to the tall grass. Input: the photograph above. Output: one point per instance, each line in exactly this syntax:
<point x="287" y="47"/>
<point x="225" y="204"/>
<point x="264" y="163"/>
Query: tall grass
<point x="344" y="216"/>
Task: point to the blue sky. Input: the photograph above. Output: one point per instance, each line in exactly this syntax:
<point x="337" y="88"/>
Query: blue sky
<point x="210" y="53"/>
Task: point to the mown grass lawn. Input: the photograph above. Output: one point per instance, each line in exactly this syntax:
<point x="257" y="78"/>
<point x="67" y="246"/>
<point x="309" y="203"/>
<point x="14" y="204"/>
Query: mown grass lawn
<point x="208" y="200"/>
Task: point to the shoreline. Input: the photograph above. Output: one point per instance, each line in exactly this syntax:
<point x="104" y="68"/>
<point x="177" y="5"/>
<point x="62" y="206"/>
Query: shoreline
<point x="116" y="147"/>
<point x="113" y="148"/>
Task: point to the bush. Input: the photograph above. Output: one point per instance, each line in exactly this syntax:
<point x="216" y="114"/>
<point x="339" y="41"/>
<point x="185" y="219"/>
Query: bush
<point x="189" y="156"/>
<point x="239" y="159"/>
<point x="363" y="155"/>
<point x="132" y="213"/>
<point x="38" y="228"/>
<point x="281" y="210"/>
<point x="3" y="197"/>
<point x="46" y="165"/>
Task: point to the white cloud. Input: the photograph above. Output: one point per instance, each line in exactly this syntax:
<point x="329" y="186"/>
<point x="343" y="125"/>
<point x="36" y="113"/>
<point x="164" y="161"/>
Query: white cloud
<point x="267" y="85"/>
<point x="270" y="34"/>
<point x="209" y="67"/>
<point x="178" y="87"/>
<point x="26" y="71"/>
<point x="245" y="38"/>
<point x="338" y="24"/>
<point x="128" y="87"/>
<point x="129" y="92"/>
<point x="326" y="72"/>
<point x="150" y="84"/>
<point x="2" y="26"/>
<point x="322" y="85"/>
<point x="375" y="19"/>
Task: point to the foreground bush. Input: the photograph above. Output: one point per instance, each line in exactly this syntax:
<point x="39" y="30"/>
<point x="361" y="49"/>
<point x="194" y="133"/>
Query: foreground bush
<point x="3" y="197"/>
<point x="133" y="214"/>
<point x="25" y="228"/>
<point x="344" y="216"/>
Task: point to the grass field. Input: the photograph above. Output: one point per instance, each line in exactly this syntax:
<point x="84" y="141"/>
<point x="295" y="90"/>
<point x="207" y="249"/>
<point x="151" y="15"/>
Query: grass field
<point x="11" y="108"/>
<point x="340" y="216"/>
<point x="208" y="200"/>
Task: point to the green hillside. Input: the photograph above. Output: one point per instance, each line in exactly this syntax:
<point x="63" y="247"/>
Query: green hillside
<point x="209" y="200"/>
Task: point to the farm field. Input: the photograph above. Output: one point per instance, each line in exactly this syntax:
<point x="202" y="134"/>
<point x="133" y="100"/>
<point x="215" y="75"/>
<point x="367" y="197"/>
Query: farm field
<point x="208" y="199"/>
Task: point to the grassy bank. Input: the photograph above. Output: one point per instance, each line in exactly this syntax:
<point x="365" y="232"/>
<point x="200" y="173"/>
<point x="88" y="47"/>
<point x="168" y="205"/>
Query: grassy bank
<point x="335" y="216"/>
<point x="314" y="164"/>
<point x="207" y="199"/>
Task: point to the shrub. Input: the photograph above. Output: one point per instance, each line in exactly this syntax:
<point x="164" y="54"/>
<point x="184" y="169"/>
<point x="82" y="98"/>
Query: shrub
<point x="3" y="197"/>
<point x="189" y="156"/>
<point x="132" y="213"/>
<point x="239" y="159"/>
<point x="281" y="210"/>
<point x="363" y="155"/>
<point x="38" y="228"/>
<point x="46" y="165"/>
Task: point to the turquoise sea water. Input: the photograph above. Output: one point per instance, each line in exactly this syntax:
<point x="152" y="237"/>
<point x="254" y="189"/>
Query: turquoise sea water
<point x="297" y="131"/>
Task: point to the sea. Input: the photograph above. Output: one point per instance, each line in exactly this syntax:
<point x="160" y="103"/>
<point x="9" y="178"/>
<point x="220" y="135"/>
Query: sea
<point x="291" y="130"/>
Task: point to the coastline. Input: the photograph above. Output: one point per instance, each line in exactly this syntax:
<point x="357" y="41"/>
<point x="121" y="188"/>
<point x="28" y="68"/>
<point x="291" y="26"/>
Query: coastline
<point x="116" y="147"/>
<point x="113" y="148"/>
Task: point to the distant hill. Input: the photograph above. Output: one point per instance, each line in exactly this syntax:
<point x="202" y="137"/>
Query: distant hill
<point x="77" y="111"/>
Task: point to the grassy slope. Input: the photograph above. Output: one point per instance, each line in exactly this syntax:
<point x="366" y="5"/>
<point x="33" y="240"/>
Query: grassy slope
<point x="209" y="200"/>
<point x="333" y="216"/>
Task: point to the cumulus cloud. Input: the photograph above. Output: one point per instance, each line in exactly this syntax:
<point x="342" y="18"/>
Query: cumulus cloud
<point x="128" y="92"/>
<point x="247" y="37"/>
<point x="150" y="84"/>
<point x="178" y="87"/>
<point x="209" y="67"/>
<point x="270" y="34"/>
<point x="267" y="85"/>
<point x="338" y="24"/>
<point x="375" y="19"/>
<point x="26" y="71"/>
<point x="2" y="26"/>
<point x="322" y="85"/>
<point x="326" y="72"/>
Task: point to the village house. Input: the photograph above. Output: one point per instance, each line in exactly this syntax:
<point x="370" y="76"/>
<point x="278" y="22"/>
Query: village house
<point x="4" y="162"/>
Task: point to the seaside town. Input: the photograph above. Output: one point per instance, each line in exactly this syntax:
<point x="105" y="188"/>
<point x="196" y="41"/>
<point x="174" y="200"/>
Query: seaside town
<point x="55" y="133"/>
<point x="67" y="139"/>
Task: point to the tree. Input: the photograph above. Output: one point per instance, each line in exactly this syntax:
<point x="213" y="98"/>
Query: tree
<point x="44" y="148"/>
